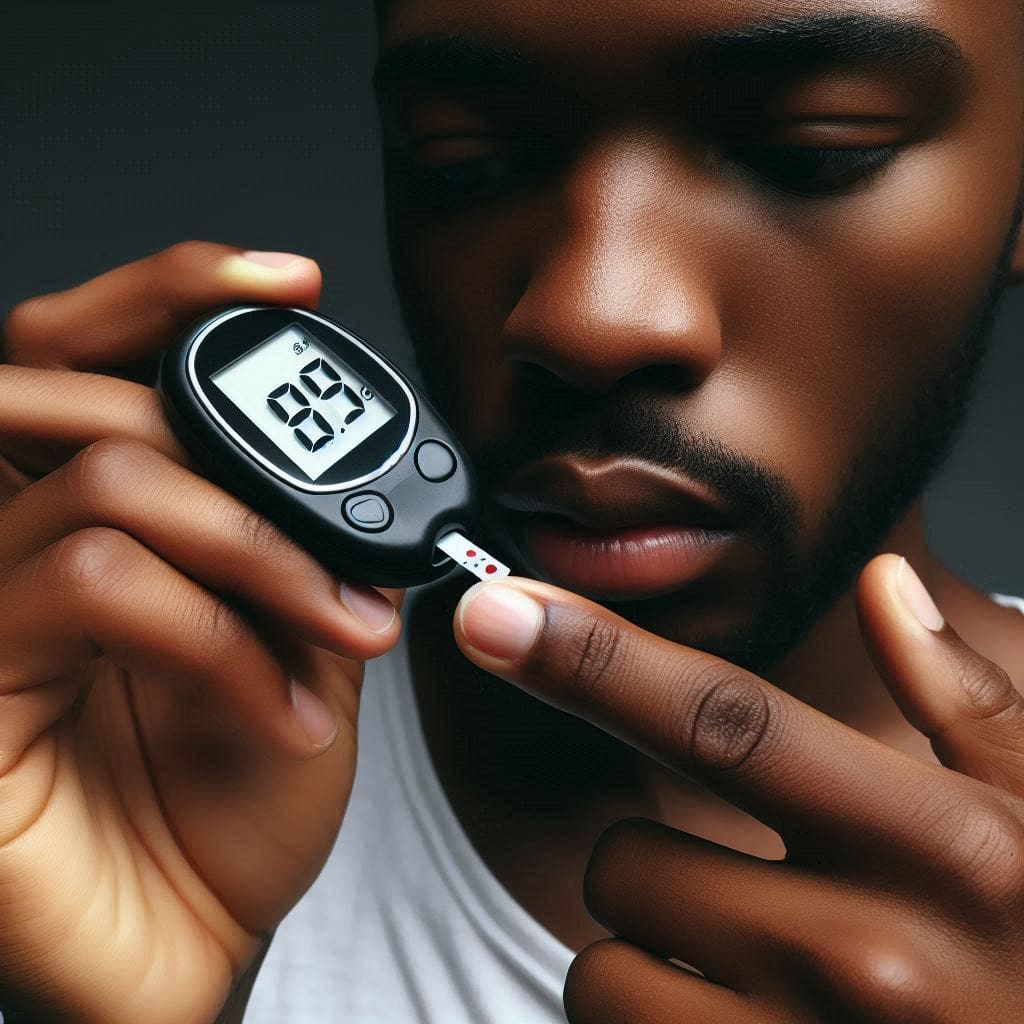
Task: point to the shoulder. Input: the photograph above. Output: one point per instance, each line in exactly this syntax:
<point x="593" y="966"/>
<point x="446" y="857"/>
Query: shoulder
<point x="1005" y="601"/>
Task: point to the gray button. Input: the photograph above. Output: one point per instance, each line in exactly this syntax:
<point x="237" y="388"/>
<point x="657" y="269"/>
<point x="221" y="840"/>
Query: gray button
<point x="368" y="511"/>
<point x="435" y="461"/>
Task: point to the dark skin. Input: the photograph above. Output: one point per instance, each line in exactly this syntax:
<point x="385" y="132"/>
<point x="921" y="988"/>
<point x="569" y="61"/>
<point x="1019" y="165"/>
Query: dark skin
<point x="815" y="306"/>
<point x="145" y="666"/>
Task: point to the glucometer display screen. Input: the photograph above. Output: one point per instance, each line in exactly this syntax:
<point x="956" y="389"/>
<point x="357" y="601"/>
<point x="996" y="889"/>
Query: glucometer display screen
<point x="312" y="405"/>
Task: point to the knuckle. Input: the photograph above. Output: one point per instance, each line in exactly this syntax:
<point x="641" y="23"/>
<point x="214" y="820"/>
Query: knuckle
<point x="93" y="563"/>
<point x="103" y="472"/>
<point x="215" y="630"/>
<point x="259" y="537"/>
<point x="983" y="850"/>
<point x="613" y="854"/>
<point x="987" y="688"/>
<point x="880" y="978"/>
<point x="142" y="411"/>
<point x="23" y="327"/>
<point x="597" y="652"/>
<point x="734" y="720"/>
<point x="587" y="981"/>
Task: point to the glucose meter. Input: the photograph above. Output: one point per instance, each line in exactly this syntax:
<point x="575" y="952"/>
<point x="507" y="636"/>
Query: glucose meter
<point x="326" y="438"/>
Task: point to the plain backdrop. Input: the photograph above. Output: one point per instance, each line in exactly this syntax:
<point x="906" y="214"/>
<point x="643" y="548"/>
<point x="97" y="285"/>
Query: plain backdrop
<point x="127" y="128"/>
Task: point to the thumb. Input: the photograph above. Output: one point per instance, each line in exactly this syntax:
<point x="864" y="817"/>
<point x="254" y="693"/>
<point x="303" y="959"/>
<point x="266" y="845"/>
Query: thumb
<point x="128" y="315"/>
<point x="965" y="704"/>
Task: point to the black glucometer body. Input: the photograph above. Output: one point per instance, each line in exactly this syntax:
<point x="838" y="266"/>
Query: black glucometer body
<point x="325" y="437"/>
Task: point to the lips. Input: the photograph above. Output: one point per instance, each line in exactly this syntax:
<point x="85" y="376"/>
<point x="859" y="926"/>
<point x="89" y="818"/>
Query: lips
<point x="619" y="528"/>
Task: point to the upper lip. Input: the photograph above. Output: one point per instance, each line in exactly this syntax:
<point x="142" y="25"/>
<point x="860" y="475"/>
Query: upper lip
<point x="610" y="493"/>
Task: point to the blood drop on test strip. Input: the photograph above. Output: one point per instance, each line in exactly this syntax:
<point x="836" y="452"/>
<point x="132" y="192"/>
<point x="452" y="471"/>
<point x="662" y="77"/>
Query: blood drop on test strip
<point x="471" y="557"/>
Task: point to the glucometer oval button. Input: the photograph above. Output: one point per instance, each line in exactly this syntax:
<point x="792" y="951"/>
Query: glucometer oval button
<point x="368" y="511"/>
<point x="435" y="461"/>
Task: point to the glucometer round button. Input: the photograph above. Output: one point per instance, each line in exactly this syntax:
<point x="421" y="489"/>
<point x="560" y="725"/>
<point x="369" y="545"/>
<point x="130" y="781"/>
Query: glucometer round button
<point x="435" y="461"/>
<point x="368" y="511"/>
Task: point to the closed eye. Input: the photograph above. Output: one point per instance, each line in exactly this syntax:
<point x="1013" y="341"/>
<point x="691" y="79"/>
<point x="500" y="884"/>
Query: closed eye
<point x="814" y="170"/>
<point x="444" y="172"/>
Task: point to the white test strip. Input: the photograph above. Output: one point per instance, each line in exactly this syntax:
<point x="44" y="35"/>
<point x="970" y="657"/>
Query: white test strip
<point x="471" y="557"/>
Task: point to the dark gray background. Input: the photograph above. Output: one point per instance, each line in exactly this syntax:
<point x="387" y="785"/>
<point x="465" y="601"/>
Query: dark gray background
<point x="127" y="129"/>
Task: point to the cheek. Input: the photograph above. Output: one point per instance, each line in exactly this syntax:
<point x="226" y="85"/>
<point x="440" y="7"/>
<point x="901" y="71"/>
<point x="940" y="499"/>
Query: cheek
<point x="851" y="311"/>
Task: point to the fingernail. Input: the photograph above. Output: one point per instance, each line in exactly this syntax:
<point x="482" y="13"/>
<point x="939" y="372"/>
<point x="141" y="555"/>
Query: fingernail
<point x="315" y="718"/>
<point x="917" y="599"/>
<point x="500" y="620"/>
<point x="368" y="606"/>
<point x="274" y="260"/>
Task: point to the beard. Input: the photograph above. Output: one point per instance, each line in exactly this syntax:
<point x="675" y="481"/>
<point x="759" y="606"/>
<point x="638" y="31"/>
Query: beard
<point x="559" y="758"/>
<point x="882" y="484"/>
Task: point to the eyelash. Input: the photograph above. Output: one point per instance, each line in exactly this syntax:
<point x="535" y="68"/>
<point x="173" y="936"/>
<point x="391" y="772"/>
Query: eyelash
<point x="814" y="171"/>
<point x="461" y="182"/>
<point x="800" y="171"/>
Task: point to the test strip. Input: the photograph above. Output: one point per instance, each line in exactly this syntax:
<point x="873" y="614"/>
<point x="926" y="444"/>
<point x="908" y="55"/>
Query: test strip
<point x="472" y="557"/>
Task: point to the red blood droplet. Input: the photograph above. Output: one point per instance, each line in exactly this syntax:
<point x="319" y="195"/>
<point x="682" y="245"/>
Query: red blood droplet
<point x="491" y="568"/>
<point x="471" y="553"/>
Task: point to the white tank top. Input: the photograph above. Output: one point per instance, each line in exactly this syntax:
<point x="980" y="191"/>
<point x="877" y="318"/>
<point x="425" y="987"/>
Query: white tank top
<point x="406" y="924"/>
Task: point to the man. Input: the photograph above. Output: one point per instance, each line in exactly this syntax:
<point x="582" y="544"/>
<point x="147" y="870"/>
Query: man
<point x="703" y="288"/>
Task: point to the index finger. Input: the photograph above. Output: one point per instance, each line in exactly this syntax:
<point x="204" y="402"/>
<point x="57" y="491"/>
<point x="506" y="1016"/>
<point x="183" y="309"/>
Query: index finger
<point x="818" y="783"/>
<point x="46" y="416"/>
<point x="130" y="314"/>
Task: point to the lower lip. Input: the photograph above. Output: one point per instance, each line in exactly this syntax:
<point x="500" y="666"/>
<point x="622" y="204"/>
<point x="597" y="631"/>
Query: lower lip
<point x="641" y="561"/>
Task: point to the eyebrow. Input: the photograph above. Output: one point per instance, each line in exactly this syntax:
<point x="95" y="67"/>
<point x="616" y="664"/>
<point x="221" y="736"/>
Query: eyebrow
<point x="780" y="46"/>
<point x="829" y="39"/>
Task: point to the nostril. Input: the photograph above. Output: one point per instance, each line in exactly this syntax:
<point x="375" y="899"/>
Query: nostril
<point x="573" y="386"/>
<point x="566" y="390"/>
<point x="594" y="346"/>
<point x="663" y="378"/>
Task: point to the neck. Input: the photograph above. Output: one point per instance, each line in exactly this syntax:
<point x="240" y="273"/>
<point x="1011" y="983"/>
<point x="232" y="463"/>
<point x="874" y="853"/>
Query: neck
<point x="522" y="776"/>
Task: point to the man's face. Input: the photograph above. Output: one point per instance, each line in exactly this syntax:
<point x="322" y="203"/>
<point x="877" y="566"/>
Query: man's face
<point x="702" y="286"/>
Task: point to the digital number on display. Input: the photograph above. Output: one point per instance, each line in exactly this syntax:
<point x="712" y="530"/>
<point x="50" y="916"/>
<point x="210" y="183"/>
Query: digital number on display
<point x="311" y="405"/>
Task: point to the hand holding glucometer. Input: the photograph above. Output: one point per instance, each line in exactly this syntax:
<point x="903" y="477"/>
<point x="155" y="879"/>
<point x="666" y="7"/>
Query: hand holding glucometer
<point x="327" y="439"/>
<point x="180" y="685"/>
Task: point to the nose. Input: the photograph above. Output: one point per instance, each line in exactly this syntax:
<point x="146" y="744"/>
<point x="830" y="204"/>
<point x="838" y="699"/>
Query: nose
<point x="618" y="279"/>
